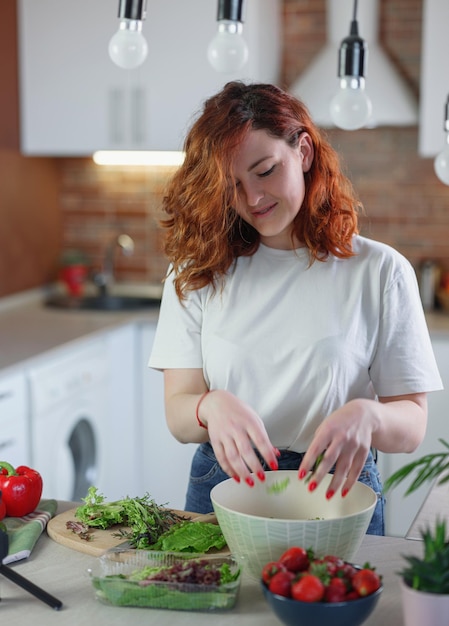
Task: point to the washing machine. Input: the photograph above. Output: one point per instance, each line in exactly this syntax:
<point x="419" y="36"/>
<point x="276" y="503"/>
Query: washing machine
<point x="68" y="409"/>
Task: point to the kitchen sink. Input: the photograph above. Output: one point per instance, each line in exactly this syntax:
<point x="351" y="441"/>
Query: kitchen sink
<point x="106" y="302"/>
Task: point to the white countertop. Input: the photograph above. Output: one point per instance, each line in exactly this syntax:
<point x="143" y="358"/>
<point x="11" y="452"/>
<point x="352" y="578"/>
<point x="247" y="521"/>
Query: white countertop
<point x="62" y="572"/>
<point x="29" y="329"/>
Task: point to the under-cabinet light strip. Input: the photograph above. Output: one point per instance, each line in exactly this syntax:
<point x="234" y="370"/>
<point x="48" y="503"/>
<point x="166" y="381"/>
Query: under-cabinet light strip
<point x="141" y="157"/>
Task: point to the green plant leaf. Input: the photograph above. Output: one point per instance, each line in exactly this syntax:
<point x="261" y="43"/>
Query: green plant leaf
<point x="430" y="572"/>
<point x="426" y="468"/>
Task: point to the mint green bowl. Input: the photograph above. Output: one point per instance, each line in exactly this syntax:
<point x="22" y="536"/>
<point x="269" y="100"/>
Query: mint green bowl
<point x="259" y="523"/>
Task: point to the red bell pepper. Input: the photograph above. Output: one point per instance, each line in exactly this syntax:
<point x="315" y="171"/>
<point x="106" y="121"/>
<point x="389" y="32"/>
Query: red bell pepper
<point x="21" y="489"/>
<point x="2" y="507"/>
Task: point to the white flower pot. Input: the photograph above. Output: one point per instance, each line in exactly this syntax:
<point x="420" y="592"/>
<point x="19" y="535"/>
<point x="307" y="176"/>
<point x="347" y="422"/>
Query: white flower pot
<point x="420" y="608"/>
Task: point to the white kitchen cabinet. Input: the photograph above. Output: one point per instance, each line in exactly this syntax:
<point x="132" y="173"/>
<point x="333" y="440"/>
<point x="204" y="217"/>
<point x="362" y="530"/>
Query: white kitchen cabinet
<point x="166" y="460"/>
<point x="434" y="88"/>
<point x="400" y="509"/>
<point x="15" y="445"/>
<point x="122" y="449"/>
<point x="74" y="100"/>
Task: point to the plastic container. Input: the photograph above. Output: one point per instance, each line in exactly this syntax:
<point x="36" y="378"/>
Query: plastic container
<point x="112" y="585"/>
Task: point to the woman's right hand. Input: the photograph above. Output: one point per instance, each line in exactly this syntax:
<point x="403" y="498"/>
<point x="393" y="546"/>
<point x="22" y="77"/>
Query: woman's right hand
<point x="235" y="430"/>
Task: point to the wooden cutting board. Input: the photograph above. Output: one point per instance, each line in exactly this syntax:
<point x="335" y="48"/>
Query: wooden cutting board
<point x="102" y="540"/>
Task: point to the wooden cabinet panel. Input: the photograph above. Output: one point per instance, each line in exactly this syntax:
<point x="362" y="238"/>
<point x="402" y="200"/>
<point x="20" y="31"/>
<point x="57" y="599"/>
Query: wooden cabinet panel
<point x="9" y="99"/>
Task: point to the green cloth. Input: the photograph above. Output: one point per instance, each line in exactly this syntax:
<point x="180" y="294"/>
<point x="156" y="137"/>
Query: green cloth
<point x="23" y="532"/>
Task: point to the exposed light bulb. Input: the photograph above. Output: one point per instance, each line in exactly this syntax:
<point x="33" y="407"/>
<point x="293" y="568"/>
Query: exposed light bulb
<point x="228" y="51"/>
<point x="441" y="163"/>
<point x="351" y="108"/>
<point x="128" y="47"/>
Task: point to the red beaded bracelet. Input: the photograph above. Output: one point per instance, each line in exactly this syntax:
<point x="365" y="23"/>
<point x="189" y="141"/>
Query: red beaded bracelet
<point x="200" y="423"/>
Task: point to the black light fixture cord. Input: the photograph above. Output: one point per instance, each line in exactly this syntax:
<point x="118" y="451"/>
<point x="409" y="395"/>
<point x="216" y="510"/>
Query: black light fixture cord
<point x="352" y="52"/>
<point x="354" y="25"/>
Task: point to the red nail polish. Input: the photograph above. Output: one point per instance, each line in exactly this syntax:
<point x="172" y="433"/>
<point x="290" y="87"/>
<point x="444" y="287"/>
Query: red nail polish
<point x="277" y="452"/>
<point x="344" y="492"/>
<point x="249" y="481"/>
<point x="313" y="485"/>
<point x="261" y="476"/>
<point x="301" y="474"/>
<point x="330" y="494"/>
<point x="273" y="465"/>
<point x="236" y="478"/>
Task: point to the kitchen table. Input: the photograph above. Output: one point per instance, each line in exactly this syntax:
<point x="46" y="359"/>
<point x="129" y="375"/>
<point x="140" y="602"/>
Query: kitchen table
<point x="62" y="572"/>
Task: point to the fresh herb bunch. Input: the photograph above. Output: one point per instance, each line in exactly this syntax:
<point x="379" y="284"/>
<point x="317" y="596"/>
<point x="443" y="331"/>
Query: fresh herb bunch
<point x="430" y="573"/>
<point x="427" y="468"/>
<point x="146" y="519"/>
<point x="152" y="527"/>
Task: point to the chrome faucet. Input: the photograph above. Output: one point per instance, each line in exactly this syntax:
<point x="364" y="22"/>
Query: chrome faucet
<point x="107" y="275"/>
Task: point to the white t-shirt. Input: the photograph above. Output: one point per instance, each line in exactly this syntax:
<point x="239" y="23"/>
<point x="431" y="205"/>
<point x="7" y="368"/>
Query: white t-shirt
<point x="297" y="342"/>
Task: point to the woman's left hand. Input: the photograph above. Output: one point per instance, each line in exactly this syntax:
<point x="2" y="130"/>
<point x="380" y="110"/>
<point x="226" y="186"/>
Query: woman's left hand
<point x="344" y="440"/>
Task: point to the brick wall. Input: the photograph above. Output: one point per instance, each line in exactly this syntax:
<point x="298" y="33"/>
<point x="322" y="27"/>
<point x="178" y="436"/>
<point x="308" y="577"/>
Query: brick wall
<point x="405" y="204"/>
<point x="98" y="203"/>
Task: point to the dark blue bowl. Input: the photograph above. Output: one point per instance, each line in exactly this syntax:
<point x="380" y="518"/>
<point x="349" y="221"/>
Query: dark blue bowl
<point x="296" y="613"/>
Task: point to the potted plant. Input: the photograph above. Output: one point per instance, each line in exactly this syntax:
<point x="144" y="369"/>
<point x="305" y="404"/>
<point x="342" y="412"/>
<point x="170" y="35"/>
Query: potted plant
<point x="425" y="579"/>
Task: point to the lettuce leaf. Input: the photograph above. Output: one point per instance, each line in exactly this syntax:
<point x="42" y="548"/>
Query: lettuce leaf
<point x="191" y="537"/>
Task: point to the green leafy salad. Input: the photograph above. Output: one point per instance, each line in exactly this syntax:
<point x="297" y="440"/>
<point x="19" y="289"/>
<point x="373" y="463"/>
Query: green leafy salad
<point x="185" y="584"/>
<point x="151" y="526"/>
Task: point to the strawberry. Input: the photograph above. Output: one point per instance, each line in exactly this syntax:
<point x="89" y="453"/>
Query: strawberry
<point x="298" y="574"/>
<point x="270" y="569"/>
<point x="320" y="569"/>
<point x="308" y="588"/>
<point x="335" y="591"/>
<point x="295" y="559"/>
<point x="347" y="571"/>
<point x="352" y="595"/>
<point x="334" y="563"/>
<point x="365" y="582"/>
<point x="281" y="583"/>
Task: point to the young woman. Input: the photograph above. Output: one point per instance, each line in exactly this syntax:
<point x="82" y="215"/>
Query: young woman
<point x="283" y="334"/>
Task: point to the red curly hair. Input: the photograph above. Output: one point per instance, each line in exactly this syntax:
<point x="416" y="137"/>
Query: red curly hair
<point x="204" y="234"/>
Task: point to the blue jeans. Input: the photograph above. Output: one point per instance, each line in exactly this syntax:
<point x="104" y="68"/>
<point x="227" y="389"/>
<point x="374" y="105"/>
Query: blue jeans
<point x="205" y="473"/>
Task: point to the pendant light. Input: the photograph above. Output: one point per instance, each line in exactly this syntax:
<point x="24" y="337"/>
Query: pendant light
<point x="441" y="163"/>
<point x="128" y="48"/>
<point x="228" y="51"/>
<point x="351" y="108"/>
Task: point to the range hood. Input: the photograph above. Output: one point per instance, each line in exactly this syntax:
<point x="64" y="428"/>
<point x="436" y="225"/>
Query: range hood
<point x="393" y="102"/>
